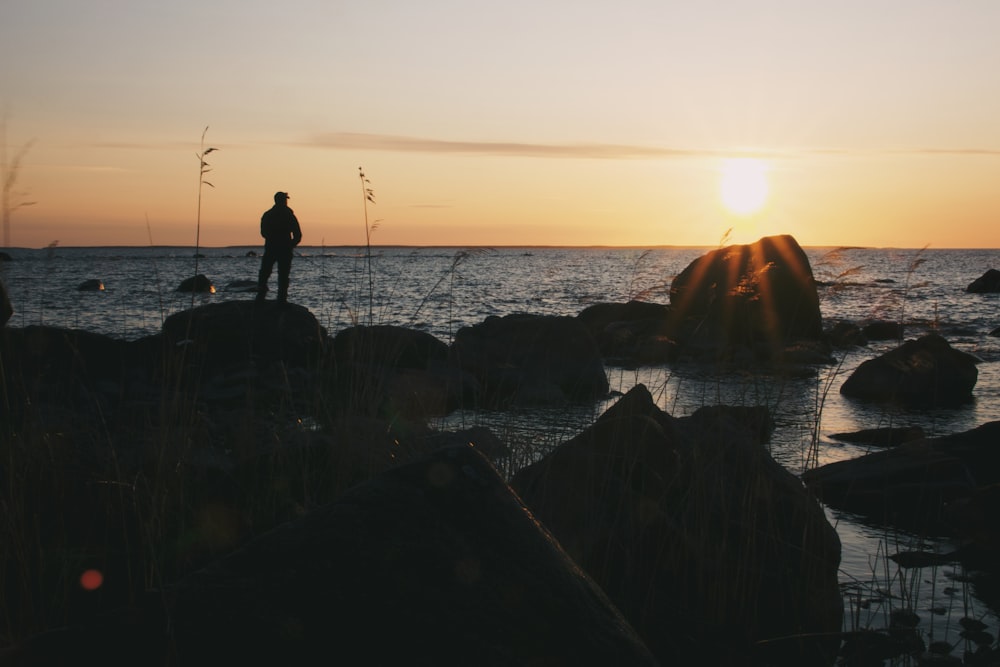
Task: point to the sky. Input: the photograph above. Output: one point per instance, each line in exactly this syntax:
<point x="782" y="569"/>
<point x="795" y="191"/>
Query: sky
<point x="563" y="122"/>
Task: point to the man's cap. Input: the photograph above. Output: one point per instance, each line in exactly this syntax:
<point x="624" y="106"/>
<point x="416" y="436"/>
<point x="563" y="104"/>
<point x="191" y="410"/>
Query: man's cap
<point x="280" y="195"/>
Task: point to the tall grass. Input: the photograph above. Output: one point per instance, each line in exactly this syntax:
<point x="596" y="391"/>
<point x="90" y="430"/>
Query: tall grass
<point x="368" y="195"/>
<point x="12" y="199"/>
<point x="203" y="169"/>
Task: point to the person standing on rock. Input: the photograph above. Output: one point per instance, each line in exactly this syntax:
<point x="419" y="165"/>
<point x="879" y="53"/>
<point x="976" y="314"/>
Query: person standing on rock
<point x="281" y="232"/>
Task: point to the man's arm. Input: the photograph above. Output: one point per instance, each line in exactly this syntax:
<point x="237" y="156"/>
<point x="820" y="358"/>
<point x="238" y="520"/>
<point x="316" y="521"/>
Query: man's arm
<point x="296" y="231"/>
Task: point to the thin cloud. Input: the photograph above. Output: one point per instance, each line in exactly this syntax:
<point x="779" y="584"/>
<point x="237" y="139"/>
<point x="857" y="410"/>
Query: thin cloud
<point x="597" y="151"/>
<point x="386" y="142"/>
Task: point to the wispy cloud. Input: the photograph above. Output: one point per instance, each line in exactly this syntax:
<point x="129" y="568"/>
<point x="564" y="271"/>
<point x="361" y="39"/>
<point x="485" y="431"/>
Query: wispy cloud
<point x="387" y="142"/>
<point x="599" y="151"/>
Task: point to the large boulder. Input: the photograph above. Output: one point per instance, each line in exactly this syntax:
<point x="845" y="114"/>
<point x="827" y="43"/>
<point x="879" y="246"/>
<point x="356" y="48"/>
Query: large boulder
<point x="987" y="283"/>
<point x="760" y="296"/>
<point x="912" y="485"/>
<point x="530" y="360"/>
<point x="925" y="372"/>
<point x="396" y="371"/>
<point x="431" y="563"/>
<point x="234" y="334"/>
<point x="714" y="552"/>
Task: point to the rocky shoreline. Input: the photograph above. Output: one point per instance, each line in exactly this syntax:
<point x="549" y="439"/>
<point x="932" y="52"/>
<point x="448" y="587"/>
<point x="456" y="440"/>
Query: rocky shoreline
<point x="254" y="489"/>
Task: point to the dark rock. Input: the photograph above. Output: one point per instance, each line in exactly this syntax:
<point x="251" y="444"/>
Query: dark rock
<point x="77" y="375"/>
<point x="242" y="286"/>
<point x="882" y="437"/>
<point x="630" y="332"/>
<point x="759" y="296"/>
<point x="685" y="524"/>
<point x="846" y="334"/>
<point x="974" y="519"/>
<point x="915" y="484"/>
<point x="199" y="283"/>
<point x="989" y="282"/>
<point x="883" y="330"/>
<point x="924" y="372"/>
<point x="237" y="333"/>
<point x="5" y="257"/>
<point x="91" y="285"/>
<point x="392" y="370"/>
<point x="530" y="360"/>
<point x="6" y="309"/>
<point x="436" y="562"/>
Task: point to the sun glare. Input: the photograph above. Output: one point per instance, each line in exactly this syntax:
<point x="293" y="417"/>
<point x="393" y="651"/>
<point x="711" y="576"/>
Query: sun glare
<point x="743" y="185"/>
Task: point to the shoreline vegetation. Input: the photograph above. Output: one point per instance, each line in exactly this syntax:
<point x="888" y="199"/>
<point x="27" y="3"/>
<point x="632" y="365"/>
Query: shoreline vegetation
<point x="248" y="486"/>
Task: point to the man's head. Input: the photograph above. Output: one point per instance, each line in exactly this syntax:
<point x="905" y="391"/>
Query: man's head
<point x="280" y="197"/>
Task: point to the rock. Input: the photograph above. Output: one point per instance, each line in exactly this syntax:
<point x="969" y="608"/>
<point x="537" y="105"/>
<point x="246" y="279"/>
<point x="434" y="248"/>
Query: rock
<point x="233" y="334"/>
<point x="686" y="524"/>
<point x="989" y="282"/>
<point x="199" y="283"/>
<point x="912" y="486"/>
<point x="91" y="285"/>
<point x="995" y="333"/>
<point x="846" y="334"/>
<point x="5" y="257"/>
<point x="530" y="360"/>
<point x="882" y="437"/>
<point x="924" y="372"/>
<point x="79" y="375"/>
<point x="242" y="286"/>
<point x="759" y="296"/>
<point x="436" y="562"/>
<point x="883" y="330"/>
<point x="396" y="371"/>
<point x="629" y="332"/>
<point x="6" y="309"/>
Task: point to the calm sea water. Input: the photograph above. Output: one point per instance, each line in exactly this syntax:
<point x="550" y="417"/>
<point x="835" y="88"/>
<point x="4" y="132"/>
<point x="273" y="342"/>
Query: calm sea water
<point x="441" y="289"/>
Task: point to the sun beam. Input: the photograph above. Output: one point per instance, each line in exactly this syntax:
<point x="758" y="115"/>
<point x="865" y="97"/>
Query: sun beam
<point x="743" y="186"/>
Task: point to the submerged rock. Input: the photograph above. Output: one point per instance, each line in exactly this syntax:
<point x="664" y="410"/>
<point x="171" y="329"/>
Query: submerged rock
<point x="91" y="285"/>
<point x="199" y="283"/>
<point x="925" y="372"/>
<point x="912" y="485"/>
<point x="987" y="283"/>
<point x="883" y="330"/>
<point x="706" y="544"/>
<point x="242" y="286"/>
<point x="882" y="437"/>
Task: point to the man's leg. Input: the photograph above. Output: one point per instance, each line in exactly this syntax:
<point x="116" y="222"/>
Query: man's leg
<point x="284" y="269"/>
<point x="266" y="264"/>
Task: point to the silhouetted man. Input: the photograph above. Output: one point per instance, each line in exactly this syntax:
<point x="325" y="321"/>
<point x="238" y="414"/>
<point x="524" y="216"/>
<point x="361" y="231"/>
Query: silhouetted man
<point x="281" y="232"/>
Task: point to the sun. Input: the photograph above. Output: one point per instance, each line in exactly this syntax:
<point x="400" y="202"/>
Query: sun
<point x="743" y="186"/>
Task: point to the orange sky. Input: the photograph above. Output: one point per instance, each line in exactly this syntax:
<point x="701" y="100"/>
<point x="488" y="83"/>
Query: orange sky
<point x="600" y="124"/>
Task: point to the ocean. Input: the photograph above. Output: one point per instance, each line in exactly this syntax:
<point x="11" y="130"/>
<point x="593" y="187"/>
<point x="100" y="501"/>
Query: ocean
<point x="439" y="290"/>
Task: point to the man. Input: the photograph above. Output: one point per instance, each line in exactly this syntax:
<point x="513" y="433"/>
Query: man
<point x="281" y="232"/>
